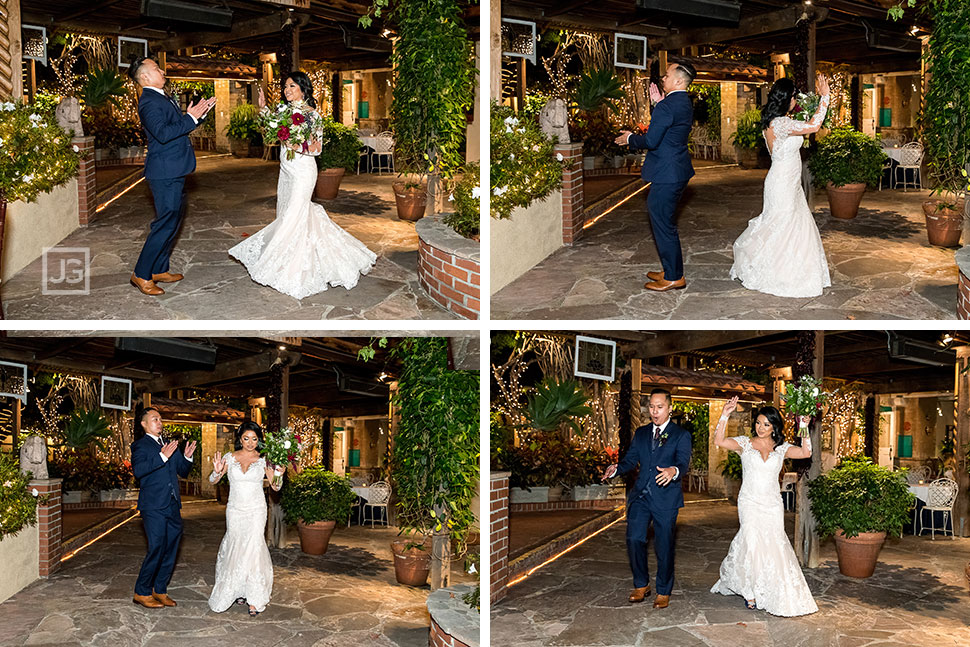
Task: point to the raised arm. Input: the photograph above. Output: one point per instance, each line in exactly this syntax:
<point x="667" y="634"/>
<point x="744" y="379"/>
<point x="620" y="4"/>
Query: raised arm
<point x="726" y="443"/>
<point x="805" y="451"/>
<point x="219" y="468"/>
<point x="802" y="128"/>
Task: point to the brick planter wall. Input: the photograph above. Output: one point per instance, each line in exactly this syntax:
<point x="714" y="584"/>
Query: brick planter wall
<point x="498" y="535"/>
<point x="49" y="524"/>
<point x="449" y="270"/>
<point x="453" y="623"/>
<point x="549" y="506"/>
<point x="573" y="217"/>
<point x="87" y="183"/>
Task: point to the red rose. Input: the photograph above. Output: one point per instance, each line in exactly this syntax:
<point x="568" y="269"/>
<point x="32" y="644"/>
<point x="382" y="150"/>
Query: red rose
<point x="298" y="118"/>
<point x="284" y="134"/>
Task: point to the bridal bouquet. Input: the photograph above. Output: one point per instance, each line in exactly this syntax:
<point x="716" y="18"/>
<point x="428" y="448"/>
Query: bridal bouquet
<point x="290" y="124"/>
<point x="281" y="447"/>
<point x="806" y="105"/>
<point x="805" y="399"/>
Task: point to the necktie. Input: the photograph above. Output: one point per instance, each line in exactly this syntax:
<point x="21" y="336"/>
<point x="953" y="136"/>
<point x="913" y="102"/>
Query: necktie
<point x="656" y="433"/>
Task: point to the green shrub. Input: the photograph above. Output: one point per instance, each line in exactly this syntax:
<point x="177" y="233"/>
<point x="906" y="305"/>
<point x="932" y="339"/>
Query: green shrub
<point x="18" y="507"/>
<point x="465" y="220"/>
<point x="37" y="155"/>
<point x="847" y="156"/>
<point x="748" y="133"/>
<point x="731" y="466"/>
<point x="340" y="146"/>
<point x="859" y="496"/>
<point x="316" y="494"/>
<point x="243" y="124"/>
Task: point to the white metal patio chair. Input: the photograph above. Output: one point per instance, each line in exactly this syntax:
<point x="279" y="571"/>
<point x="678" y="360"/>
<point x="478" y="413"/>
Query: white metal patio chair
<point x="383" y="152"/>
<point x="697" y="478"/>
<point x="910" y="159"/>
<point x="917" y="474"/>
<point x="887" y="166"/>
<point x="380" y="494"/>
<point x="942" y="494"/>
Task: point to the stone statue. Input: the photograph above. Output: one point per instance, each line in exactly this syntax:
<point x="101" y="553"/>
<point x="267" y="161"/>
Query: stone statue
<point x="553" y="120"/>
<point x="68" y="115"/>
<point x="33" y="457"/>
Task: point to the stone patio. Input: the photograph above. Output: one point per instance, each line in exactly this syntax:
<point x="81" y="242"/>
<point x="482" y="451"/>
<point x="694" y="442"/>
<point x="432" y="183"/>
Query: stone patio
<point x="917" y="596"/>
<point x="881" y="263"/>
<point x="229" y="198"/>
<point x="346" y="597"/>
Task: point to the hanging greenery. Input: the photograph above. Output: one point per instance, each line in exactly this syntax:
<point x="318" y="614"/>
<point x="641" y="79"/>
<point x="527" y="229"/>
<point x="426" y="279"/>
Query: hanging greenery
<point x="465" y="219"/>
<point x="18" y="505"/>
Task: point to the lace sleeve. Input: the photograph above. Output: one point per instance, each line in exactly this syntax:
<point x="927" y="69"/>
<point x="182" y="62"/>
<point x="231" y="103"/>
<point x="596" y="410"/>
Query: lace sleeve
<point x="743" y="441"/>
<point x="785" y="126"/>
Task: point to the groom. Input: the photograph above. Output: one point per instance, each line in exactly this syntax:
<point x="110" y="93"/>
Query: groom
<point x="662" y="452"/>
<point x="667" y="168"/>
<point x="157" y="465"/>
<point x="170" y="158"/>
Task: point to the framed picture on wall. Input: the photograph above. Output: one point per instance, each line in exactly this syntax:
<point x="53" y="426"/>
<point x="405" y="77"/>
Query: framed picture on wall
<point x="115" y="393"/>
<point x="13" y="381"/>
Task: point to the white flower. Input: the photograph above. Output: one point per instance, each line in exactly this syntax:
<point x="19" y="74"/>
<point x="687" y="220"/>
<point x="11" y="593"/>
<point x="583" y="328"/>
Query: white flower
<point x="499" y="190"/>
<point x="451" y="197"/>
<point x="476" y="191"/>
<point x="8" y="106"/>
<point x="28" y="178"/>
<point x="815" y="392"/>
<point x="471" y="569"/>
<point x="287" y="445"/>
<point x="76" y="149"/>
<point x="559" y="156"/>
<point x="508" y="129"/>
<point x="511" y="156"/>
<point x="35" y="117"/>
<point x="535" y="147"/>
<point x="511" y="121"/>
<point x="34" y="492"/>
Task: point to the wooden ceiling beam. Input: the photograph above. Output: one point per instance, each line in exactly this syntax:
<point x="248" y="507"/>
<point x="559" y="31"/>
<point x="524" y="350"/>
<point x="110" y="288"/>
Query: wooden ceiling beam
<point x="671" y="342"/>
<point x="766" y="23"/>
<point x="225" y="371"/>
<point x="245" y="29"/>
<point x="579" y="21"/>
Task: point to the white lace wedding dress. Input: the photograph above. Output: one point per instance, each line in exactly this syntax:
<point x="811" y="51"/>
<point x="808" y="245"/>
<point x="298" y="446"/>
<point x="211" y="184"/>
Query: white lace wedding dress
<point x="761" y="564"/>
<point x="781" y="251"/>
<point x="303" y="251"/>
<point x="243" y="567"/>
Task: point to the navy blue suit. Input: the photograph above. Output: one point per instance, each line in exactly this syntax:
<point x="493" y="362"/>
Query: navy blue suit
<point x="647" y="501"/>
<point x="170" y="158"/>
<point x="159" y="503"/>
<point x="667" y="165"/>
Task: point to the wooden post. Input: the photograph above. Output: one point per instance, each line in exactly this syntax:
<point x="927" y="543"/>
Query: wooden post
<point x="806" y="541"/>
<point x="495" y="51"/>
<point x="636" y="366"/>
<point x="520" y="85"/>
<point x="295" y="45"/>
<point x="16" y="422"/>
<point x="662" y="61"/>
<point x="11" y="54"/>
<point x="961" y="507"/>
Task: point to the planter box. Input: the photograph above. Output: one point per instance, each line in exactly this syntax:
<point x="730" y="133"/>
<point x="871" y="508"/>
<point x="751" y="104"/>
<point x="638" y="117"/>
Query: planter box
<point x="80" y="496"/>
<point x="539" y="494"/>
<point x="20" y="556"/>
<point x="590" y="492"/>
<point x="118" y="495"/>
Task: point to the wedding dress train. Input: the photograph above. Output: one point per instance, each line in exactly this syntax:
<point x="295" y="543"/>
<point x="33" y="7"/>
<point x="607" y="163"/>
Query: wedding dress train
<point x="303" y="251"/>
<point x="760" y="564"/>
<point x="781" y="251"/>
<point x="244" y="568"/>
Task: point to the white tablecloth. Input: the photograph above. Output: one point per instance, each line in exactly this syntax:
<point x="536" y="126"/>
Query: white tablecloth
<point x="922" y="492"/>
<point x="893" y="152"/>
<point x="362" y="491"/>
<point x="372" y="141"/>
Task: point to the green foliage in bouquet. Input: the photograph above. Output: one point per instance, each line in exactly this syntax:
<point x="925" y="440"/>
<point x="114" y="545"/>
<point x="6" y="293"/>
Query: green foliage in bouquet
<point x="340" y="146"/>
<point x="316" y="494"/>
<point x="748" y="132"/>
<point x="18" y="507"/>
<point x="244" y="125"/>
<point x="846" y="156"/>
<point x="524" y="164"/>
<point x="555" y="403"/>
<point x="281" y="448"/>
<point x="465" y="219"/>
<point x="806" y="398"/>
<point x="860" y="496"/>
<point x="36" y="155"/>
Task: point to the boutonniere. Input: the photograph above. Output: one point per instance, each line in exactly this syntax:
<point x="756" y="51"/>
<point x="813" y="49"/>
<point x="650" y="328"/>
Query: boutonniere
<point x="662" y="438"/>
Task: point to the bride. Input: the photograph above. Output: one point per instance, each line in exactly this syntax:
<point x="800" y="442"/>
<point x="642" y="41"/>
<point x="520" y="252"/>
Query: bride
<point x="244" y="570"/>
<point x="760" y="565"/>
<point x="302" y="252"/>
<point x="781" y="251"/>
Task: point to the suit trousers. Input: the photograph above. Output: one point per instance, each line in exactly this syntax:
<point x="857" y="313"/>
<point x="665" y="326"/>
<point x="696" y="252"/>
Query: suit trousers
<point x="639" y="515"/>
<point x="662" y="202"/>
<point x="164" y="531"/>
<point x="169" y="195"/>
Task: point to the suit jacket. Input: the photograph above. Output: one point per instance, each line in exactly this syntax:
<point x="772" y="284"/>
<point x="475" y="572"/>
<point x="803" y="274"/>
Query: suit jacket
<point x="674" y="452"/>
<point x="668" y="159"/>
<point x="158" y="478"/>
<point x="170" y="154"/>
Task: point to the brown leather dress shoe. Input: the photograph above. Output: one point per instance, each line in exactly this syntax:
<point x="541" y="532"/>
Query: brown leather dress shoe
<point x="167" y="277"/>
<point x="663" y="285"/>
<point x="146" y="287"/>
<point x="147" y="601"/>
<point x="656" y="275"/>
<point x="164" y="599"/>
<point x="661" y="601"/>
<point x="639" y="594"/>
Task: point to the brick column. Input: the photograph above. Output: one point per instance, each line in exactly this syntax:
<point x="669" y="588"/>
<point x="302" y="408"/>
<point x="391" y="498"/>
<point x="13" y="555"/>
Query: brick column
<point x="962" y="258"/>
<point x="49" y="523"/>
<point x="572" y="192"/>
<point x="499" y="535"/>
<point x="87" y="184"/>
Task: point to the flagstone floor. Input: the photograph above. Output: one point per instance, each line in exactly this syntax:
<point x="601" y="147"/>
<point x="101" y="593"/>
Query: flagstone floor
<point x="917" y="596"/>
<point x="881" y="264"/>
<point x="347" y="597"/>
<point x="229" y="198"/>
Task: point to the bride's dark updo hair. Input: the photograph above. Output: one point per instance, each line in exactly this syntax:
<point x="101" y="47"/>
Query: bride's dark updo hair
<point x="306" y="86"/>
<point x="249" y="425"/>
<point x="779" y="101"/>
<point x="774" y="419"/>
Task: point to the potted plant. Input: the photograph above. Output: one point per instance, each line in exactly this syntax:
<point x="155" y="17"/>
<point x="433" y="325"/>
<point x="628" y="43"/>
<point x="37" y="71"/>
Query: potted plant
<point x="845" y="163"/>
<point x="597" y="92"/>
<point x="731" y="471"/>
<point x="592" y="464"/>
<point x="339" y="154"/>
<point x="428" y="135"/>
<point x="748" y="139"/>
<point x="858" y="502"/>
<point x="315" y="499"/>
<point x="245" y="137"/>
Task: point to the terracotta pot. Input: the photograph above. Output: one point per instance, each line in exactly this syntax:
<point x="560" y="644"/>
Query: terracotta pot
<point x="732" y="488"/>
<point x="328" y="183"/>
<point x="410" y="201"/>
<point x="315" y="537"/>
<point x="242" y="148"/>
<point x="747" y="157"/>
<point x="411" y="565"/>
<point x="844" y="200"/>
<point x="857" y="555"/>
<point x="944" y="226"/>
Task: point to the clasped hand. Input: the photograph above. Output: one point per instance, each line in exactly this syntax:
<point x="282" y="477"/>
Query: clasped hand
<point x="199" y="110"/>
<point x="169" y="448"/>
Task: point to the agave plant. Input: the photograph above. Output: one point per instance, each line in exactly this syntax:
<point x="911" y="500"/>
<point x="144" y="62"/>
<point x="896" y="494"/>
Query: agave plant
<point x="103" y="86"/>
<point x="555" y="403"/>
<point x="84" y="428"/>
<point x="596" y="89"/>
